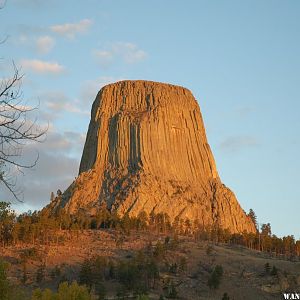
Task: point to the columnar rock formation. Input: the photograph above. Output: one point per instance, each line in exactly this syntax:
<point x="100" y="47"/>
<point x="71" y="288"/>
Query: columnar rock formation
<point x="146" y="150"/>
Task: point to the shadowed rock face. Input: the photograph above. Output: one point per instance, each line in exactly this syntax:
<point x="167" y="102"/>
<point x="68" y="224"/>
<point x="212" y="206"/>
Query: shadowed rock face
<point x="146" y="150"/>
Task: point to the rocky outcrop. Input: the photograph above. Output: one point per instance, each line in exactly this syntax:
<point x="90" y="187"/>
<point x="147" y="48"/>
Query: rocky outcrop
<point x="146" y="150"/>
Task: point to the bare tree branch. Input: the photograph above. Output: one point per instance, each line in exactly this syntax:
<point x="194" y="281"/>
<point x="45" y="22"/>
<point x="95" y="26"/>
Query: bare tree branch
<point x="17" y="130"/>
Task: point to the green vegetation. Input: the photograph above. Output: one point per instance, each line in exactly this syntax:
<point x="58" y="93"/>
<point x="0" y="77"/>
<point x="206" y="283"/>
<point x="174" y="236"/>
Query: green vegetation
<point x="225" y="297"/>
<point x="267" y="268"/>
<point x="270" y="271"/>
<point x="215" y="277"/>
<point x="4" y="283"/>
<point x="7" y="291"/>
<point x="274" y="271"/>
<point x="40" y="273"/>
<point x="65" y="291"/>
<point x="135" y="275"/>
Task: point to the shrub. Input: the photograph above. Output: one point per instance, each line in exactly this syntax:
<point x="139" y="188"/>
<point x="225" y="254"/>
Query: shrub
<point x="225" y="297"/>
<point x="215" y="277"/>
<point x="56" y="272"/>
<point x="174" y="268"/>
<point x="267" y="268"/>
<point x="40" y="274"/>
<point x="85" y="274"/>
<point x="100" y="290"/>
<point x="143" y="297"/>
<point x="4" y="283"/>
<point x="159" y="250"/>
<point x="65" y="291"/>
<point x="209" y="250"/>
<point x="182" y="264"/>
<point x="274" y="271"/>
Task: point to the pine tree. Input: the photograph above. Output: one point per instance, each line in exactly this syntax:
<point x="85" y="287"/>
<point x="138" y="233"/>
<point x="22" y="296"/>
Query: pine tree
<point x="215" y="277"/>
<point x="40" y="274"/>
<point x="274" y="271"/>
<point x="85" y="274"/>
<point x="267" y="268"/>
<point x="253" y="217"/>
<point x="225" y="297"/>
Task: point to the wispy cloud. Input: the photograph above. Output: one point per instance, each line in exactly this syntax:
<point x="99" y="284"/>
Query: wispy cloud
<point x="45" y="44"/>
<point x="57" y="103"/>
<point x="68" y="106"/>
<point x="236" y="143"/>
<point x="90" y="88"/>
<point x="40" y="66"/>
<point x="42" y="44"/>
<point x="57" y="166"/>
<point x="127" y="52"/>
<point x="104" y="57"/>
<point x="70" y="30"/>
<point x="34" y="4"/>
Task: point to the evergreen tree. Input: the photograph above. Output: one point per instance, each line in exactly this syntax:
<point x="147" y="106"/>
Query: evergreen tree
<point x="274" y="271"/>
<point x="267" y="268"/>
<point x="225" y="297"/>
<point x="4" y="283"/>
<point x="40" y="274"/>
<point x="215" y="277"/>
<point x="85" y="274"/>
<point x="253" y="217"/>
<point x="100" y="290"/>
<point x="65" y="291"/>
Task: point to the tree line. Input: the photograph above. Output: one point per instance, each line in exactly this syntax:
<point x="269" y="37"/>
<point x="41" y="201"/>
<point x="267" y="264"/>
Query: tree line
<point x="42" y="228"/>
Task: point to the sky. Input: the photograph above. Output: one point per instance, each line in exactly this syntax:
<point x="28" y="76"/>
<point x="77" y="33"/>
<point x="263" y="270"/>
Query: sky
<point x="240" y="59"/>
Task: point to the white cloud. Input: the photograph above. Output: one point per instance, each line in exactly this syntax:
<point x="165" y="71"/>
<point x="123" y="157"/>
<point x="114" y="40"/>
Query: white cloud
<point x="45" y="44"/>
<point x="236" y="143"/>
<point x="40" y="66"/>
<point x="129" y="52"/>
<point x="70" y="30"/>
<point x="57" y="102"/>
<point x="42" y="44"/>
<point x="126" y="52"/>
<point x="68" y="106"/>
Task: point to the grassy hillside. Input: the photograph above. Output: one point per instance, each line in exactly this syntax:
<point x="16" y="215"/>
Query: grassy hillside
<point x="115" y="265"/>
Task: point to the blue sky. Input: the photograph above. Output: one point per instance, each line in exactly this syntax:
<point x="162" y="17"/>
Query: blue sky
<point x="239" y="58"/>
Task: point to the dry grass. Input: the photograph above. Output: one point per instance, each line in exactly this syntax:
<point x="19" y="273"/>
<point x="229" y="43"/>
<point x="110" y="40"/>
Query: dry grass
<point x="244" y="276"/>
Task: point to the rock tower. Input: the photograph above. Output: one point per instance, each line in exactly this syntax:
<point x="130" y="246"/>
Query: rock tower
<point x="146" y="150"/>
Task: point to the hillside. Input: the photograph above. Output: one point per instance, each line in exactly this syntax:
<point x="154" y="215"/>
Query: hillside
<point x="184" y="264"/>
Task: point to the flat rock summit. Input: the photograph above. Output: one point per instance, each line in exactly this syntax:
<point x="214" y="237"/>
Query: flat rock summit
<point x="146" y="150"/>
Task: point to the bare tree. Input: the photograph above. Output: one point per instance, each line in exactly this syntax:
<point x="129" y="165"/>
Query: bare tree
<point x="17" y="129"/>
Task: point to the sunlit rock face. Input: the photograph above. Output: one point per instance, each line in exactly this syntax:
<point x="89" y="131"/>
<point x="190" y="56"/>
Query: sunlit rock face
<point x="146" y="150"/>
